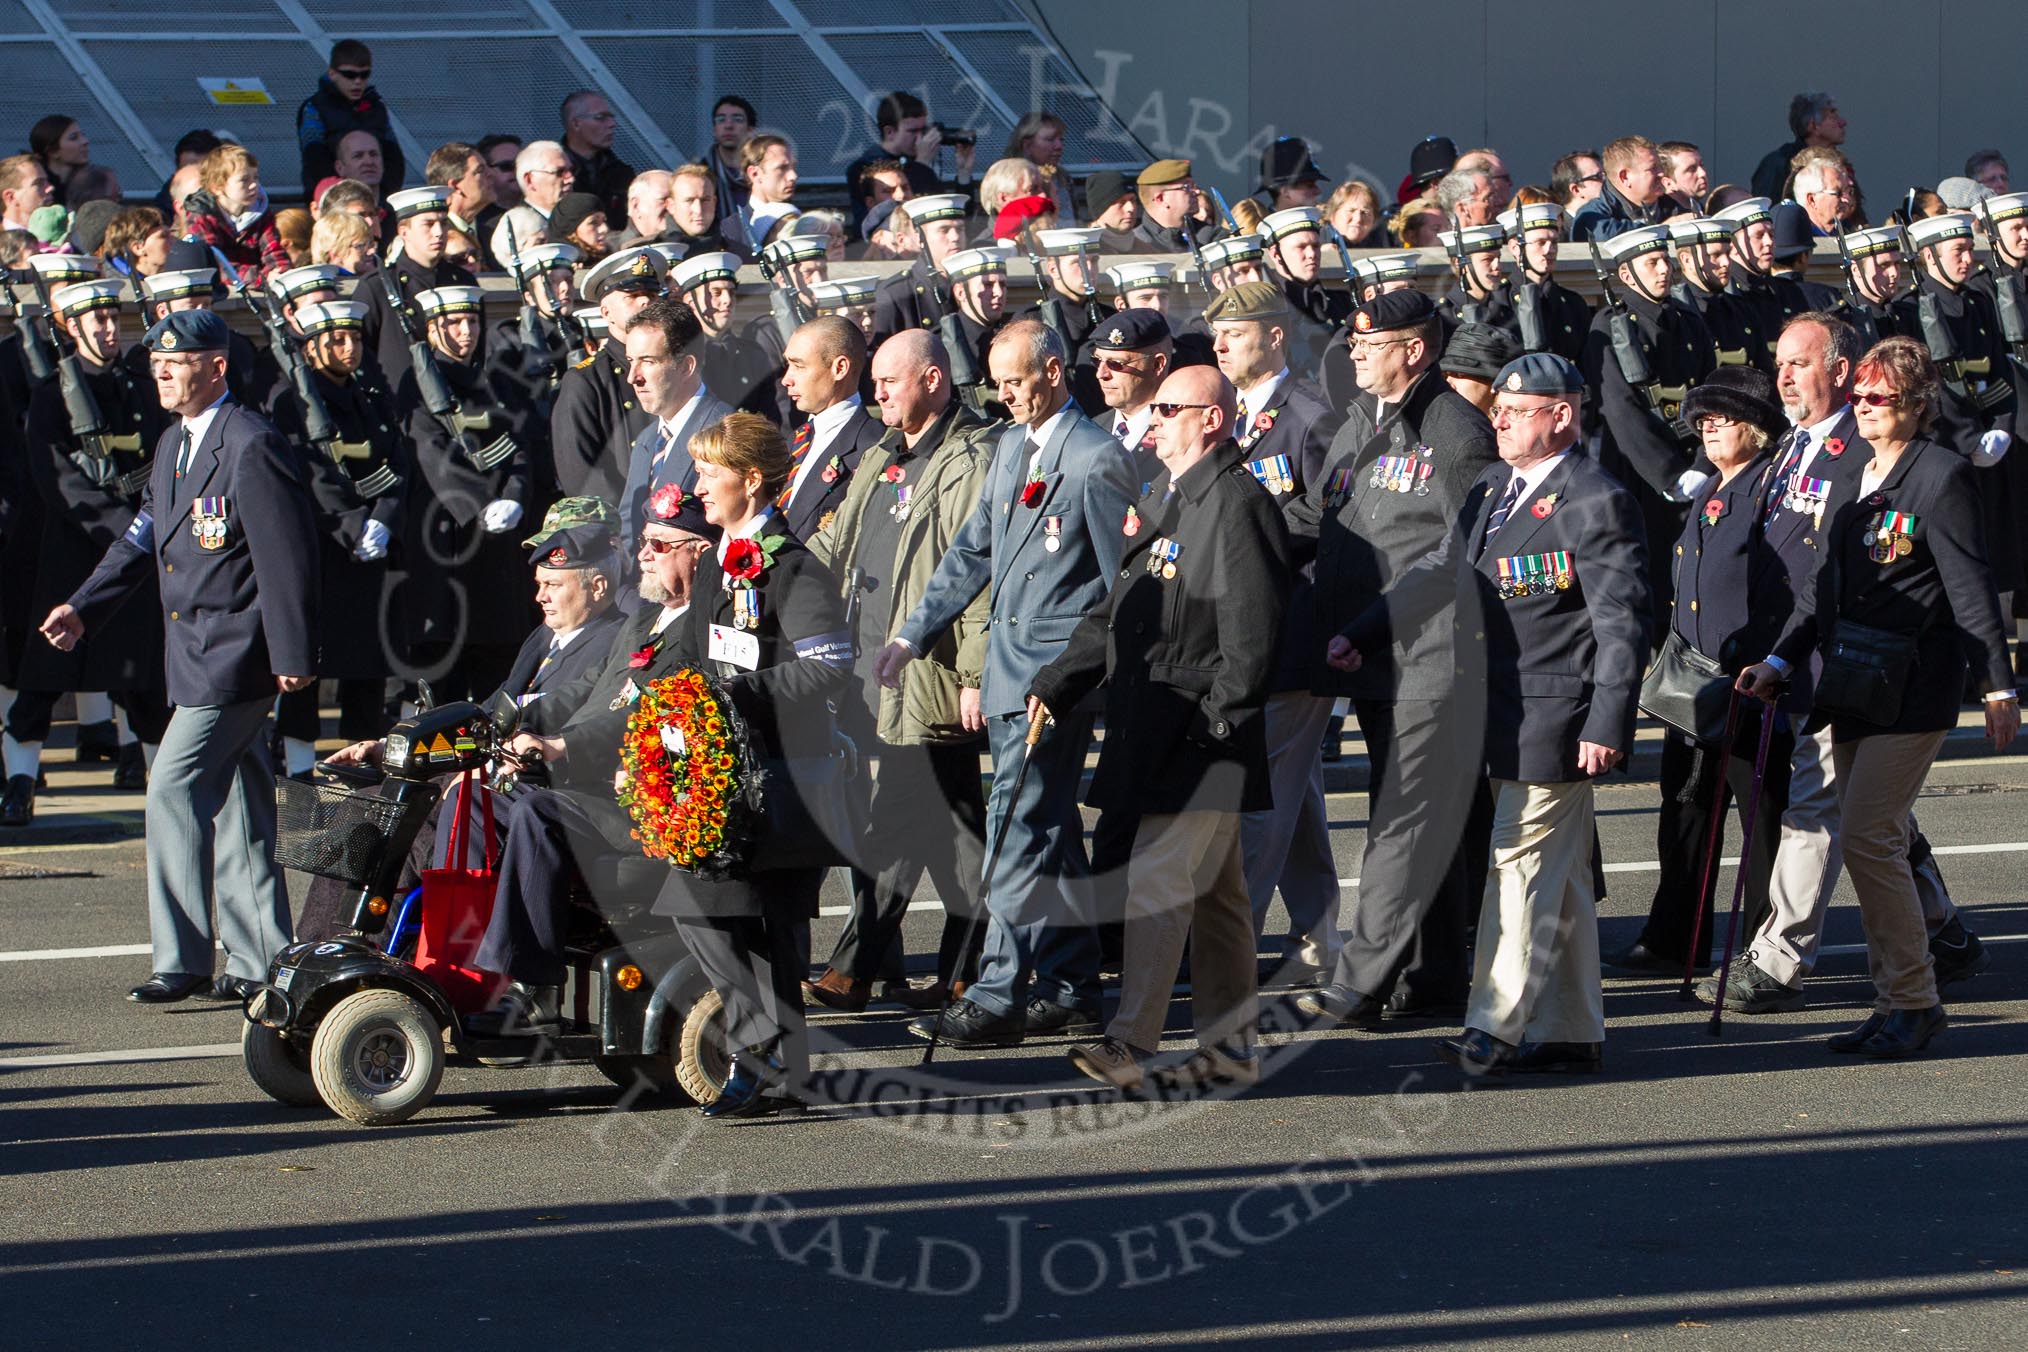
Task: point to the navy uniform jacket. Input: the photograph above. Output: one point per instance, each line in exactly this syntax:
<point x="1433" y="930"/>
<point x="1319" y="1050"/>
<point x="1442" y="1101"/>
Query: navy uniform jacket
<point x="1566" y="316"/>
<point x="1975" y="397"/>
<point x="242" y="613"/>
<point x="1285" y="446"/>
<point x="1733" y="596"/>
<point x="1562" y="665"/>
<point x="530" y="681"/>
<point x="593" y="425"/>
<point x="85" y="505"/>
<point x="1794" y="511"/>
<point x="1364" y="529"/>
<point x="385" y="342"/>
<point x="817" y="498"/>
<point x="738" y="372"/>
<point x="1186" y="650"/>
<point x="1728" y="318"/>
<point x="1319" y="313"/>
<point x="1761" y="305"/>
<point x="1940" y="593"/>
<point x="1458" y="306"/>
<point x="915" y="299"/>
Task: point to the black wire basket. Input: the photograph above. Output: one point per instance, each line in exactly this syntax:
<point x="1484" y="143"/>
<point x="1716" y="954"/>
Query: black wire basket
<point x="336" y="832"/>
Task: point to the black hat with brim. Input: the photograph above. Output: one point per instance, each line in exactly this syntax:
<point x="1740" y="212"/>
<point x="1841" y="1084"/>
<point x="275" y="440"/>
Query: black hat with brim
<point x="1742" y="394"/>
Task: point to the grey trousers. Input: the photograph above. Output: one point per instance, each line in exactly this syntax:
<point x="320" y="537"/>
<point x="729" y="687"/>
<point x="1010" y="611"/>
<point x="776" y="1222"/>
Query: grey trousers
<point x="1289" y="845"/>
<point x="211" y="838"/>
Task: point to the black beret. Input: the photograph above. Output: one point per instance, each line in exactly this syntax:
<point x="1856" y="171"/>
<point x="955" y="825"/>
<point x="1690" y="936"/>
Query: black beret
<point x="1742" y="394"/>
<point x="1540" y="373"/>
<point x="188" y="331"/>
<point x="1480" y="351"/>
<point x="670" y="506"/>
<point x="1131" y="331"/>
<point x="575" y="547"/>
<point x="1394" y="310"/>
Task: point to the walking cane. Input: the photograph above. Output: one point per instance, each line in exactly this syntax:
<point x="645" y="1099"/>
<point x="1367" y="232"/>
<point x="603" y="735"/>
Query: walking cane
<point x="1767" y="722"/>
<point x="1712" y="832"/>
<point x="1035" y="725"/>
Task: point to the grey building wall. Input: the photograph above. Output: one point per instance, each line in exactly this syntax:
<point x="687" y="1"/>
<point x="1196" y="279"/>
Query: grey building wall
<point x="1213" y="80"/>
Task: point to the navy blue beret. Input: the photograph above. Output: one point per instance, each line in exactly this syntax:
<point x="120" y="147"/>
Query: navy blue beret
<point x="188" y="331"/>
<point x="575" y="547"/>
<point x="1540" y="373"/>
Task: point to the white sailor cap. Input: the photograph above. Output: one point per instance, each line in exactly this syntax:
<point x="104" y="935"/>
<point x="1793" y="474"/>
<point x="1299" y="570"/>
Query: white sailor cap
<point x="323" y="316"/>
<point x="1474" y="239"/>
<point x="1701" y="230"/>
<point x="1517" y="220"/>
<point x="79" y="297"/>
<point x="544" y="257"/>
<point x="1223" y="253"/>
<point x="2005" y="206"/>
<point x="451" y="300"/>
<point x="58" y="268"/>
<point x="176" y="285"/>
<point x="936" y="207"/>
<point x="297" y="282"/>
<point x="1389" y="267"/>
<point x="833" y="296"/>
<point x="1937" y="229"/>
<point x="789" y="249"/>
<point x="1879" y="240"/>
<point x="1068" y="240"/>
<point x="637" y="269"/>
<point x="593" y="321"/>
<point x="698" y="269"/>
<point x="1628" y="245"/>
<point x="975" y="262"/>
<point x="418" y="202"/>
<point x="1126" y="277"/>
<point x="1292" y="221"/>
<point x="1740" y="215"/>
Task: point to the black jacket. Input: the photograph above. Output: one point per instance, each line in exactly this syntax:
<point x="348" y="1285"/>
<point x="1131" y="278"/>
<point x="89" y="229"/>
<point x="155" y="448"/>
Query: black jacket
<point x="1363" y="531"/>
<point x="605" y="176"/>
<point x="1795" y="509"/>
<point x="385" y="340"/>
<point x="915" y="299"/>
<point x="1565" y="316"/>
<point x="1186" y="649"/>
<point x="323" y="119"/>
<point x="1760" y="306"/>
<point x="534" y="679"/>
<point x="1939" y="593"/>
<point x="594" y="423"/>
<point x="824" y="487"/>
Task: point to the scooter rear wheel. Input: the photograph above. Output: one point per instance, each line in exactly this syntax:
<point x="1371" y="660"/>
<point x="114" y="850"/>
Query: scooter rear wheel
<point x="703" y="1058"/>
<point x="279" y="1066"/>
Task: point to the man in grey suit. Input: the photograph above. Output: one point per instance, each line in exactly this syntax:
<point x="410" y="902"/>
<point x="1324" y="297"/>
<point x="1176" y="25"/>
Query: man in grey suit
<point x="1046" y="538"/>
<point x="662" y="346"/>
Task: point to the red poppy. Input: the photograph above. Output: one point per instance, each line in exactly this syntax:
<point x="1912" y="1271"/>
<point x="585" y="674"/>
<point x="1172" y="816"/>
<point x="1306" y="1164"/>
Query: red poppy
<point x="744" y="560"/>
<point x="1031" y="494"/>
<point x="1834" y="446"/>
<point x="642" y="656"/>
<point x="1543" y="508"/>
<point x="1713" y="510"/>
<point x="665" y="502"/>
<point x="895" y="474"/>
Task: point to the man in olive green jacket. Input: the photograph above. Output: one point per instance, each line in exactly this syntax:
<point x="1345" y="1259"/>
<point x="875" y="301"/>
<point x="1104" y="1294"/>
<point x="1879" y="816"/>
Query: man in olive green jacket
<point x="912" y="492"/>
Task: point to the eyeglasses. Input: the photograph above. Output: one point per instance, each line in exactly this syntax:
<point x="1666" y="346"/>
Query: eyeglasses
<point x="1715" y="420"/>
<point x="1171" y="410"/>
<point x="1591" y="178"/>
<point x="1875" y="399"/>
<point x="566" y="170"/>
<point x="1502" y="412"/>
<point x="1368" y="344"/>
<point x="352" y="72"/>
<point x="1116" y="366"/>
<point x="659" y="547"/>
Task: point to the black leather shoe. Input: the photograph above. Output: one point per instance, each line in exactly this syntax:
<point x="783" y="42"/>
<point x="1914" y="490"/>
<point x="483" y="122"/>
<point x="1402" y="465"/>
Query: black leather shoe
<point x="1407" y="1004"/>
<point x="754" y="1089"/>
<point x="1854" y="1040"/>
<point x="1336" y="1006"/>
<point x="1048" y="1017"/>
<point x="1554" y="1058"/>
<point x="1956" y="953"/>
<point x="233" y="988"/>
<point x="1904" y="1033"/>
<point x="97" y="742"/>
<point x="1478" y="1054"/>
<point x="1640" y="960"/>
<point x="132" y="772"/>
<point x="964" y="1024"/>
<point x="17" y="805"/>
<point x="166" y="988"/>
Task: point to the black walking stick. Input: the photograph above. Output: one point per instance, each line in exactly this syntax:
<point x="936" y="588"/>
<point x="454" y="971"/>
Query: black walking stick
<point x="1768" y="714"/>
<point x="1712" y="832"/>
<point x="1035" y="723"/>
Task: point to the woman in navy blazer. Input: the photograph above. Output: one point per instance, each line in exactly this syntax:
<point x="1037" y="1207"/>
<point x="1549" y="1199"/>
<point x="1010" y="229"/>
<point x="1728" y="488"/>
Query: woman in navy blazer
<point x="1906" y="558"/>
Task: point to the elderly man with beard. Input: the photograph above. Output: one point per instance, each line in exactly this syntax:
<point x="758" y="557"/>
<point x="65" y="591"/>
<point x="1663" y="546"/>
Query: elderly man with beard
<point x="577" y="732"/>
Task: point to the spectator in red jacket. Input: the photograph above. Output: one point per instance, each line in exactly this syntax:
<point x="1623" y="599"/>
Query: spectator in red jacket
<point x="230" y="213"/>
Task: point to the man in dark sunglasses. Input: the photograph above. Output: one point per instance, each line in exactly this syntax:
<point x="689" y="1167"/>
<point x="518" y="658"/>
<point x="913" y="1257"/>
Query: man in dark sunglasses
<point x="346" y="101"/>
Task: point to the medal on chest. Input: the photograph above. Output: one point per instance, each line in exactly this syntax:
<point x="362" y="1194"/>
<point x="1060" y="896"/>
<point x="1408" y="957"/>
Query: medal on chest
<point x="1338" y="491"/>
<point x="1274" y="473"/>
<point x="1162" y="556"/>
<point x="1889" y="536"/>
<point x="746" y="608"/>
<point x="1052" y="533"/>
<point x="208" y="522"/>
<point x="1533" y="574"/>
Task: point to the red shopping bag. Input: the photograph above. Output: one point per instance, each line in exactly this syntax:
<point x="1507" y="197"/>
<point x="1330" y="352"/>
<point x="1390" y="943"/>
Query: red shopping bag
<point x="456" y="904"/>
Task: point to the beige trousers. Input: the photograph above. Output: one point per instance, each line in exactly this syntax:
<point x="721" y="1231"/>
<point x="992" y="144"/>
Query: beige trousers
<point x="1535" y="974"/>
<point x="1878" y="779"/>
<point x="1185" y="879"/>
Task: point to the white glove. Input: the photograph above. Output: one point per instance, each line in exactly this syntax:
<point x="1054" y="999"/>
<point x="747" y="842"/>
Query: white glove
<point x="372" y="542"/>
<point x="1688" y="484"/>
<point x="500" y="514"/>
<point x="1992" y="449"/>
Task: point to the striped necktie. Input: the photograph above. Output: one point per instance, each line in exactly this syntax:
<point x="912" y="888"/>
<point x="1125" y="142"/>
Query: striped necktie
<point x="1501" y="511"/>
<point x="662" y="451"/>
<point x="804" y="436"/>
<point x="183" y="453"/>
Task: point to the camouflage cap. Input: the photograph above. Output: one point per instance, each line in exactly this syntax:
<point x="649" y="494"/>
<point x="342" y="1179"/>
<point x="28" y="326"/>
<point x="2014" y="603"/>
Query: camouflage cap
<point x="570" y="512"/>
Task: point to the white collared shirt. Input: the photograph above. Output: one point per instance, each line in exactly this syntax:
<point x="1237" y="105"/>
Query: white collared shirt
<point x="1137" y="426"/>
<point x="670" y="614"/>
<point x="1038" y="437"/>
<point x="676" y="420"/>
<point x="1258" y="396"/>
<point x="746" y="532"/>
<point x="1818" y="434"/>
<point x="1531" y="479"/>
<point x="825" y="427"/>
<point x="201" y="424"/>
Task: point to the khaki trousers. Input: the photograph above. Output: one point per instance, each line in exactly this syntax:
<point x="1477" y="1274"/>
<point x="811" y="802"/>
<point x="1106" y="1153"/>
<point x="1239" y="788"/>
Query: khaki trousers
<point x="1878" y="779"/>
<point x="1535" y="975"/>
<point x="1185" y="879"/>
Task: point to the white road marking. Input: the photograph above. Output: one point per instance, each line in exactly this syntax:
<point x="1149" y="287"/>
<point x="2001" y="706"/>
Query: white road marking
<point x="103" y="951"/>
<point x="209" y="1049"/>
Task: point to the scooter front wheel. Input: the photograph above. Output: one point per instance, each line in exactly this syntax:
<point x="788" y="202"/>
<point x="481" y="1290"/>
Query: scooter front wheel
<point x="378" y="1057"/>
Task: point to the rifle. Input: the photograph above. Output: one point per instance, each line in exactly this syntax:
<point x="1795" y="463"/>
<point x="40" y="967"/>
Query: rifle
<point x="80" y="405"/>
<point x="317" y="424"/>
<point x="964" y="362"/>
<point x="1344" y="258"/>
<point x="536" y="358"/>
<point x="1631" y="355"/>
<point x="429" y="377"/>
<point x="1474" y="311"/>
<point x="1855" y="300"/>
<point x="1231" y="223"/>
<point x="785" y="302"/>
<point x="1047" y="305"/>
<point x="34" y="355"/>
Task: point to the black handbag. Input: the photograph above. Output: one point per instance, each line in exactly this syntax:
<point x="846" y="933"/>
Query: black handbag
<point x="1687" y="690"/>
<point x="1865" y="676"/>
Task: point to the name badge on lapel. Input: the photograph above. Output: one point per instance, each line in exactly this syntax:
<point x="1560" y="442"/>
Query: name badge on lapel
<point x="209" y="518"/>
<point x="734" y="648"/>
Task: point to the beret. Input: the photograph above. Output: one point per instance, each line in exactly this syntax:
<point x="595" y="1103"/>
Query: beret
<point x="670" y="506"/>
<point x="1540" y="373"/>
<point x="1393" y="310"/>
<point x="1162" y="173"/>
<point x="1131" y="331"/>
<point x="572" y="210"/>
<point x="1018" y="212"/>
<point x="1962" y="194"/>
<point x="1248" y="301"/>
<point x="1480" y="351"/>
<point x="188" y="331"/>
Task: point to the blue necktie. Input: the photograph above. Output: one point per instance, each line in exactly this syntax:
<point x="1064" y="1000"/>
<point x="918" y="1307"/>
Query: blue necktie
<point x="1501" y="511"/>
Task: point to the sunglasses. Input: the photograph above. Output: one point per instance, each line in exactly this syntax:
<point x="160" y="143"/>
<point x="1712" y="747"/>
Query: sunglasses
<point x="1116" y="366"/>
<point x="1171" y="410"/>
<point x="1874" y="399"/>
<point x="654" y="546"/>
<point x="352" y="72"/>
